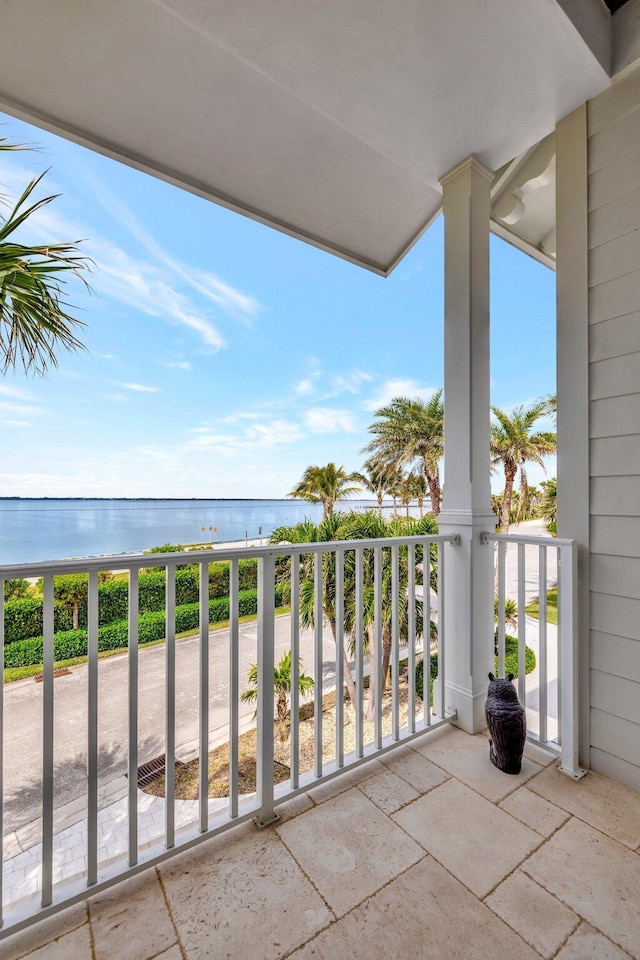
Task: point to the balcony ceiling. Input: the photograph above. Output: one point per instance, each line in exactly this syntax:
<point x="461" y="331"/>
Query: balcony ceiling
<point x="329" y="120"/>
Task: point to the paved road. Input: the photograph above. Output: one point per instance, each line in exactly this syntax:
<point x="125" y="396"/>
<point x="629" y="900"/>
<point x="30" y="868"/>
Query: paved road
<point x="23" y="714"/>
<point x="530" y="528"/>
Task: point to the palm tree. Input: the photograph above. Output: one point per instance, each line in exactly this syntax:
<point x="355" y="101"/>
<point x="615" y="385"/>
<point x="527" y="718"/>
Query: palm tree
<point x="34" y="322"/>
<point x="281" y="688"/>
<point x="379" y="478"/>
<point x="513" y="444"/>
<point x="325" y="485"/>
<point x="356" y="526"/>
<point x="407" y="430"/>
<point x="548" y="501"/>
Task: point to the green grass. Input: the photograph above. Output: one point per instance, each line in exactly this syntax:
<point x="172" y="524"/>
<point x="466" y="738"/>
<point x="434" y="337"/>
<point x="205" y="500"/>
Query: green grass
<point x="533" y="610"/>
<point x="11" y="674"/>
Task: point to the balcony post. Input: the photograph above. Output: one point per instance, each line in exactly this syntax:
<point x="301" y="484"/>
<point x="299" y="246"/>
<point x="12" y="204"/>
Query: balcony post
<point x="468" y="604"/>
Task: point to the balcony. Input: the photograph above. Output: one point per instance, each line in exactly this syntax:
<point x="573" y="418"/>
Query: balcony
<point x="385" y="807"/>
<point x="427" y="852"/>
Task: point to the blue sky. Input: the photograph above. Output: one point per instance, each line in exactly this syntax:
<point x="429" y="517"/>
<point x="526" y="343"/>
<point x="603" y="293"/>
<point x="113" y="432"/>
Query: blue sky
<point x="224" y="357"/>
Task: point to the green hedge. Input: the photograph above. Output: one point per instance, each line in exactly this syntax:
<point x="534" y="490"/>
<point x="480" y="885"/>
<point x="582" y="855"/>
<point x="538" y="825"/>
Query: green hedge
<point x="510" y="663"/>
<point x="113" y="636"/>
<point x="23" y="618"/>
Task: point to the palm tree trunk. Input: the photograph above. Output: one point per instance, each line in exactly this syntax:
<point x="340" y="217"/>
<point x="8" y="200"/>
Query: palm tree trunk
<point x="510" y="471"/>
<point x="433" y="481"/>
<point x="348" y="678"/>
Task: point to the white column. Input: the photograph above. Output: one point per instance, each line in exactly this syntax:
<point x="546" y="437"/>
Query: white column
<point x="468" y="607"/>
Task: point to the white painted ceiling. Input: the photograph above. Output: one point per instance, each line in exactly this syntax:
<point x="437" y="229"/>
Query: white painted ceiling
<point x="329" y="119"/>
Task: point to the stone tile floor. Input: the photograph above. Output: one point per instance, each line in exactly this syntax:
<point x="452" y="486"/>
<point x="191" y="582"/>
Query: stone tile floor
<point x="426" y="854"/>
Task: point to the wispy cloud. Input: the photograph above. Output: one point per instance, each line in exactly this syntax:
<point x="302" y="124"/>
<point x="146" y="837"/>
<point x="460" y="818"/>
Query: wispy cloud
<point x="176" y="365"/>
<point x="247" y="437"/>
<point x="14" y="393"/>
<point x="326" y="420"/>
<point x="105" y="356"/>
<point x="391" y="389"/>
<point x="139" y="387"/>
<point x="237" y="304"/>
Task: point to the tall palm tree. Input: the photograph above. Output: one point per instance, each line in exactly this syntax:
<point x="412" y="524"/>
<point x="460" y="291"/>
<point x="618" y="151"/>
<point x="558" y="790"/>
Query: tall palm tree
<point x="34" y="322"/>
<point x="548" y="501"/>
<point x="325" y="485"/>
<point x="409" y="430"/>
<point x="513" y="444"/>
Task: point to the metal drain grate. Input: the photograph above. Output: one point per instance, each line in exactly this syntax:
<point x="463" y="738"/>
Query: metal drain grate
<point x="60" y="672"/>
<point x="153" y="770"/>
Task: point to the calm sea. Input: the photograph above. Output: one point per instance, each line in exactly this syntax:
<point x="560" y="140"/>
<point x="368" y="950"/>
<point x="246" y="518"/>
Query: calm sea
<point x="32" y="530"/>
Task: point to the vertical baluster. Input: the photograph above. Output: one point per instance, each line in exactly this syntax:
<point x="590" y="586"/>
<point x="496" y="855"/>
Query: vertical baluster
<point x="266" y="631"/>
<point x="395" y="641"/>
<point x="339" y="661"/>
<point x="170" y="708"/>
<point x="359" y="558"/>
<point x="411" y="634"/>
<point x="542" y="640"/>
<point x="92" y="729"/>
<point x="133" y="716"/>
<point x="295" y="670"/>
<point x="502" y="549"/>
<point x="234" y="692"/>
<point x="317" y="621"/>
<point x="47" y="742"/>
<point x="442" y="582"/>
<point x="203" y="787"/>
<point x="375" y="657"/>
<point x="522" y="626"/>
<point x="1" y="749"/>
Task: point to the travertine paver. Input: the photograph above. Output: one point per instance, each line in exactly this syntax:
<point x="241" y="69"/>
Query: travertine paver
<point x="539" y="814"/>
<point x="475" y="840"/>
<point x="595" y="876"/>
<point x="587" y="944"/>
<point x="388" y="791"/>
<point x="537" y="916"/>
<point x="131" y="921"/>
<point x="243" y="897"/>
<point x="606" y="805"/>
<point x="414" y="768"/>
<point x="71" y="946"/>
<point x="467" y="758"/>
<point x="349" y="848"/>
<point x="326" y="791"/>
<point x="422" y="915"/>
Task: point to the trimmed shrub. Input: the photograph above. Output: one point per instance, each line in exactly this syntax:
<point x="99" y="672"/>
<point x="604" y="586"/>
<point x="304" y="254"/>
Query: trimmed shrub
<point x="68" y="644"/>
<point x="511" y="656"/>
<point x="420" y="674"/>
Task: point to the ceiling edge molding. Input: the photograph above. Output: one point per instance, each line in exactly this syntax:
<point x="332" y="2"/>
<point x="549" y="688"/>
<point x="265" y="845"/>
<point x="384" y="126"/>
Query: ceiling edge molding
<point x="592" y="20"/>
<point x="626" y="35"/>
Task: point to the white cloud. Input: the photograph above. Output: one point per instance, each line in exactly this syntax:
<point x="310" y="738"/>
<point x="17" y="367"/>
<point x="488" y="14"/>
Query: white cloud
<point x="105" y="356"/>
<point x="247" y="437"/>
<point x="17" y="423"/>
<point x="326" y="420"/>
<point x="347" y="383"/>
<point x="305" y="387"/>
<point x="177" y="365"/>
<point x="19" y="409"/>
<point x="391" y="389"/>
<point x="139" y="387"/>
<point x="16" y="393"/>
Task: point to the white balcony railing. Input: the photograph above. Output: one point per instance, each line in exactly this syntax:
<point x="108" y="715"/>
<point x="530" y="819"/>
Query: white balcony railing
<point x="371" y="589"/>
<point x="550" y="692"/>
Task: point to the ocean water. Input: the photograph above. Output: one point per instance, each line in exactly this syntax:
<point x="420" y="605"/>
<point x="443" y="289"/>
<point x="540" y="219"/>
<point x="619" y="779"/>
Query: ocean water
<point x="32" y="530"/>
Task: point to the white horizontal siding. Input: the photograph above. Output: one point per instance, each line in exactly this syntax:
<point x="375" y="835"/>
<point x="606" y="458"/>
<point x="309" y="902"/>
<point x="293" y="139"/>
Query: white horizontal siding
<point x="615" y="416"/>
<point x="617" y="576"/>
<point x="620" y="770"/>
<point x="613" y="141"/>
<point x="617" y="615"/>
<point x="614" y="258"/>
<point x="615" y="377"/>
<point x="617" y="536"/>
<point x="615" y="297"/>
<point x="615" y="337"/>
<point x="615" y="735"/>
<point x="616" y="457"/>
<point x="615" y="497"/>
<point x="617" y="655"/>
<point x="617" y="218"/>
<point x="614" y="428"/>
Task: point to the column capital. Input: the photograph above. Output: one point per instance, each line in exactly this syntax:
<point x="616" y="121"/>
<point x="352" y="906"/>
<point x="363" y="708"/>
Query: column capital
<point x="471" y="163"/>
